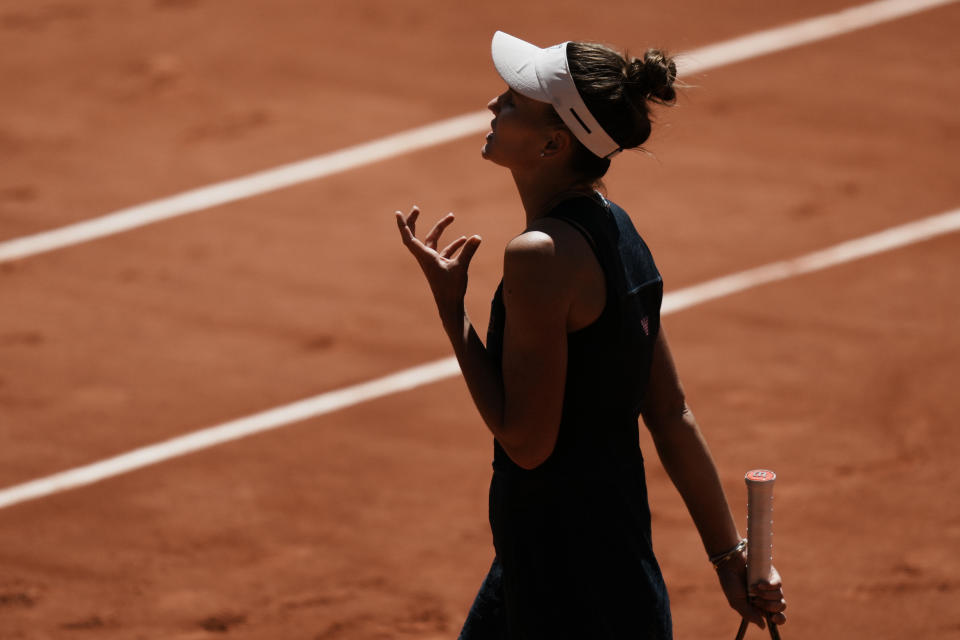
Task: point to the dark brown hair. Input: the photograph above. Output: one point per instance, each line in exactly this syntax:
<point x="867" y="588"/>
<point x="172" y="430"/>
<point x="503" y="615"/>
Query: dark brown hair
<point x="618" y="90"/>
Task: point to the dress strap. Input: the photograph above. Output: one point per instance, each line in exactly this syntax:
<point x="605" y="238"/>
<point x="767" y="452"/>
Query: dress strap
<point x="594" y="219"/>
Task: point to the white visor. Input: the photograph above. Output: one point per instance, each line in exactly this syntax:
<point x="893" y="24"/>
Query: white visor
<point x="543" y="75"/>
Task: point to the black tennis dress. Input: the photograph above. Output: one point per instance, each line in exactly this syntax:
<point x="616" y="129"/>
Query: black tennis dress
<point x="574" y="558"/>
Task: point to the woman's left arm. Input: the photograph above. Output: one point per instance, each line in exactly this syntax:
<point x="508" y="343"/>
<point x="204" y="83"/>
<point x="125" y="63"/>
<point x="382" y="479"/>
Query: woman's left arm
<point x="687" y="460"/>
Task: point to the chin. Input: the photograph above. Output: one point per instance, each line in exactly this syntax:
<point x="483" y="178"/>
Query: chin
<point x="485" y="149"/>
<point x="486" y="152"/>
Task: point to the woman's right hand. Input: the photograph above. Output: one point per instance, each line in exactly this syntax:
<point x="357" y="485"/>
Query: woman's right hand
<point x="445" y="270"/>
<point x="758" y="604"/>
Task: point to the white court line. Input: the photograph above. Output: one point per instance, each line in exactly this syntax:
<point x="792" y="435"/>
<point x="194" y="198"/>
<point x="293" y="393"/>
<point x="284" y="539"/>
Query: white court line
<point x="892" y="238"/>
<point x="430" y="372"/>
<point x="723" y="53"/>
<point x="800" y="33"/>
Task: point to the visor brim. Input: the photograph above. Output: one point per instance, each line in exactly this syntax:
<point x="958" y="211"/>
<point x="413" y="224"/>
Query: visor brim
<point x="516" y="62"/>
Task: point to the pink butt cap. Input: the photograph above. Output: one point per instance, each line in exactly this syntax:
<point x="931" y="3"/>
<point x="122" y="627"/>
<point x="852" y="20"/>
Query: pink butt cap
<point x="760" y="475"/>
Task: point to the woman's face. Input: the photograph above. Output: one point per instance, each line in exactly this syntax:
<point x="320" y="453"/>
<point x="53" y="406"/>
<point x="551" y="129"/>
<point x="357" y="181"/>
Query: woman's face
<point x="519" y="130"/>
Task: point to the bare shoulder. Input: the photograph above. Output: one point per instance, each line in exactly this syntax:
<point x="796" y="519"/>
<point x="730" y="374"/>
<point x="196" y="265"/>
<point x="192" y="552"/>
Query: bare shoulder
<point x="547" y="254"/>
<point x="532" y="245"/>
<point x="532" y="265"/>
<point x="552" y="243"/>
<point x="566" y="268"/>
<point x="538" y="274"/>
<point x="552" y="266"/>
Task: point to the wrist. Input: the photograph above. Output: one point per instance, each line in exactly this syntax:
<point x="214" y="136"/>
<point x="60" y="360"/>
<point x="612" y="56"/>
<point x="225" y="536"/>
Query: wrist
<point x="723" y="557"/>
<point x="451" y="315"/>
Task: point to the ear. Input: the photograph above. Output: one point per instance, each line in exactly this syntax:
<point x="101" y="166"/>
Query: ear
<point x="558" y="141"/>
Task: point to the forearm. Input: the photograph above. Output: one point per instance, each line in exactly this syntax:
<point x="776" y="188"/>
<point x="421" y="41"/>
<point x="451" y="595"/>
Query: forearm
<point x="483" y="378"/>
<point x="686" y="458"/>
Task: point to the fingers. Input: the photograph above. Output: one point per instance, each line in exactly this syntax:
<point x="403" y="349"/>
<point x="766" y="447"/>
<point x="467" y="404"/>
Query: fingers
<point x="767" y="590"/>
<point x="778" y="619"/>
<point x="751" y="613"/>
<point x="412" y="219"/>
<point x="406" y="230"/>
<point x="769" y="598"/>
<point x="453" y="246"/>
<point x="470" y="247"/>
<point x="405" y="233"/>
<point x="769" y="606"/>
<point x="428" y="247"/>
<point x="434" y="236"/>
<point x="409" y="221"/>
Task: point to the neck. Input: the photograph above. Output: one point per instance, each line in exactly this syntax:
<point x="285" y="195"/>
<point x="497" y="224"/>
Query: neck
<point x="541" y="190"/>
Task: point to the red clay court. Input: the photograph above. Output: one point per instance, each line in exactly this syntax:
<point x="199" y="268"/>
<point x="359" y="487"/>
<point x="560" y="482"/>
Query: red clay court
<point x="369" y="521"/>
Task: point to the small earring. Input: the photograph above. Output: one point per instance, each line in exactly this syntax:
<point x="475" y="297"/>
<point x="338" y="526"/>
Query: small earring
<point x="543" y="154"/>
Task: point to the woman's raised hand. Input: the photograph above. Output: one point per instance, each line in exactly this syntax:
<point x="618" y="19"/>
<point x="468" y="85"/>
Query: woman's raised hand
<point x="446" y="269"/>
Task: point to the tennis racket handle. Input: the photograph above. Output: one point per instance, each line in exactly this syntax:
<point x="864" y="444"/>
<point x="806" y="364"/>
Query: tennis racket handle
<point x="759" y="524"/>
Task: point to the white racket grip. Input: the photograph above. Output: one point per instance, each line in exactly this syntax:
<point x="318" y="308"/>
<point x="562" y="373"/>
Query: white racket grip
<point x="759" y="524"/>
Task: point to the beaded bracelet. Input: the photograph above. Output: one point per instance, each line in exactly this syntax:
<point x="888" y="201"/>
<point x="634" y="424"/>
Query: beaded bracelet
<point x="720" y="558"/>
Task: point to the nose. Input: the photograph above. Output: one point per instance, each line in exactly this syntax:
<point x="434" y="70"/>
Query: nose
<point x="494" y="105"/>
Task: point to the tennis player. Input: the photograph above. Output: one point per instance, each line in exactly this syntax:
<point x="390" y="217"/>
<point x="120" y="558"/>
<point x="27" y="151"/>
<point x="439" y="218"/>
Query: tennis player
<point x="575" y="354"/>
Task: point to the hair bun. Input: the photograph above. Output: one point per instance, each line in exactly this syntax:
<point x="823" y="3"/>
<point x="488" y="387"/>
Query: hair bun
<point x="652" y="77"/>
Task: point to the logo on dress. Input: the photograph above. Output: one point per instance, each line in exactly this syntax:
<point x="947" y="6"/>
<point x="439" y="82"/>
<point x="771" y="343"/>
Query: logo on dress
<point x="645" y="323"/>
